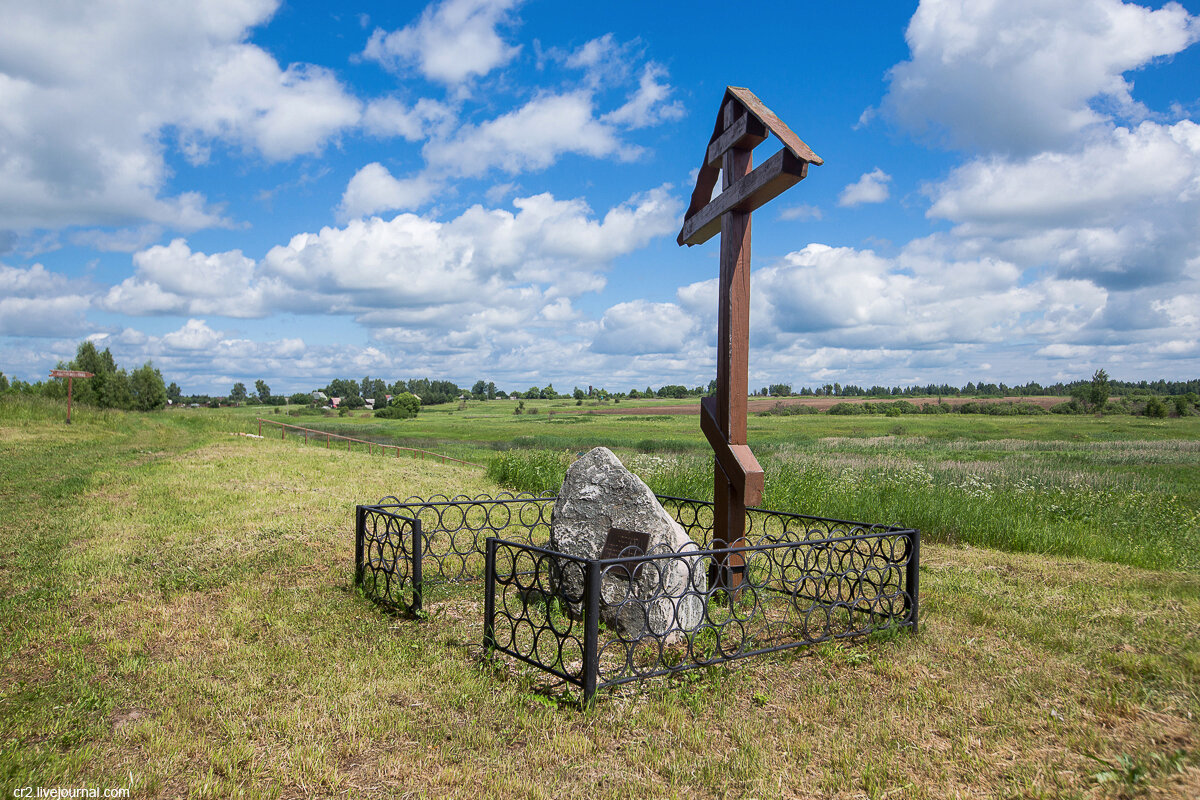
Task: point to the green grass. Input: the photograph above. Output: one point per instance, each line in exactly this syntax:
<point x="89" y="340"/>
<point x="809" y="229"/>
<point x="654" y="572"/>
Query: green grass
<point x="489" y="425"/>
<point x="177" y="616"/>
<point x="1132" y="503"/>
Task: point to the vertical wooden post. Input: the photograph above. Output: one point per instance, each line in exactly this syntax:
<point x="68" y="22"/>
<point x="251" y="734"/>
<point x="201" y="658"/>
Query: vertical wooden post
<point x="70" y="375"/>
<point x="733" y="351"/>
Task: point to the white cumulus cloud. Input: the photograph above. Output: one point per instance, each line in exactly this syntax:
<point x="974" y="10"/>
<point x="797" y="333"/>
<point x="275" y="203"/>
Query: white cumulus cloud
<point x="1022" y="76"/>
<point x="172" y="279"/>
<point x="451" y="42"/>
<point x="90" y="95"/>
<point x="1120" y="210"/>
<point x="38" y="302"/>
<point x="872" y="187"/>
<point x="531" y="137"/>
<point x="373" y="189"/>
<point x="639" y="327"/>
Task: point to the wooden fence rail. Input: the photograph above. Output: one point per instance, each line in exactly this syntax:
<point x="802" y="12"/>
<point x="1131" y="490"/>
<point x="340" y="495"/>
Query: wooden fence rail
<point x="349" y="440"/>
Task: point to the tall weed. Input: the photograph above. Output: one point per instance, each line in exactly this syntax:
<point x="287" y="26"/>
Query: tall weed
<point x="1023" y="504"/>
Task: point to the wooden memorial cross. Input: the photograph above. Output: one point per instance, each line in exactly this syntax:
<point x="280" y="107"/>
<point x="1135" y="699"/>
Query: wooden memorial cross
<point x="743" y="123"/>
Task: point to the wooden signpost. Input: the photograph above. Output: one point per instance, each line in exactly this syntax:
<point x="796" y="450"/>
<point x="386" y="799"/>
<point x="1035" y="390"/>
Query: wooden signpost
<point x="70" y="375"/>
<point x="742" y="124"/>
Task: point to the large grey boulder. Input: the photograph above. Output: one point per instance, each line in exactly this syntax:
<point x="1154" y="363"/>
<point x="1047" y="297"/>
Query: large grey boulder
<point x="661" y="597"/>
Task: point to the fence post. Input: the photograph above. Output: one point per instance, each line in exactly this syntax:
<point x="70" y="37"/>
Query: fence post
<point x="418" y="551"/>
<point x="360" y="531"/>
<point x="489" y="595"/>
<point x="912" y="579"/>
<point x="260" y="428"/>
<point x="591" y="632"/>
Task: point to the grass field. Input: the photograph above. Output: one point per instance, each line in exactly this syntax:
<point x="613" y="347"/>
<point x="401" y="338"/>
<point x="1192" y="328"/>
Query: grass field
<point x="177" y="616"/>
<point x="1118" y="489"/>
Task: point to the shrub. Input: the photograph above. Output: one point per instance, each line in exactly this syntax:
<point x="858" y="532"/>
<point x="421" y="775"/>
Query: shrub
<point x="1118" y="406"/>
<point x="1155" y="407"/>
<point x="780" y="410"/>
<point x="1002" y="409"/>
<point x="847" y="409"/>
<point x="405" y="405"/>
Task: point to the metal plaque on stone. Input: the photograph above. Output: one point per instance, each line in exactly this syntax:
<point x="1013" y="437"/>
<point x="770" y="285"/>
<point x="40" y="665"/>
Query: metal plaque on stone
<point x="621" y="543"/>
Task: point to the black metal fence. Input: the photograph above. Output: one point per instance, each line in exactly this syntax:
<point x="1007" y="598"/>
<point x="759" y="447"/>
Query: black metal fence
<point x="598" y="623"/>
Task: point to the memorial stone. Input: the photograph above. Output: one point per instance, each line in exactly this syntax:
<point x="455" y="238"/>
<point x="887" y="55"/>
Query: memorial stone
<point x="603" y="510"/>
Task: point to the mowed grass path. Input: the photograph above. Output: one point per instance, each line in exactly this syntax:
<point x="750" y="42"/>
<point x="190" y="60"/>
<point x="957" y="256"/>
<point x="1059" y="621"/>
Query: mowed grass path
<point x="177" y="616"/>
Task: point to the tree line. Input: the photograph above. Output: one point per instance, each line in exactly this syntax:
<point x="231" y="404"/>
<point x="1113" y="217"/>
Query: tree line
<point x="143" y="389"/>
<point x="984" y="389"/>
<point x="110" y="386"/>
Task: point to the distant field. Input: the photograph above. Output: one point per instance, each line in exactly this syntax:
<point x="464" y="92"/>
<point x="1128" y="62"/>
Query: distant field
<point x="758" y="404"/>
<point x="177" y="616"/>
<point x="561" y="424"/>
<point x="1117" y="488"/>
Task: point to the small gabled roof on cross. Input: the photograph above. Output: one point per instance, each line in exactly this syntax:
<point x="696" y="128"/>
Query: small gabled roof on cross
<point x="774" y="124"/>
<point x="751" y="129"/>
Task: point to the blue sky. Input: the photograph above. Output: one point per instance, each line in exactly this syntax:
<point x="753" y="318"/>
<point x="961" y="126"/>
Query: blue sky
<point x="469" y="189"/>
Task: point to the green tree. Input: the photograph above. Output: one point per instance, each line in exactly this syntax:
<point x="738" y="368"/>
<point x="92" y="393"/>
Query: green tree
<point x="1098" y="391"/>
<point x="375" y="389"/>
<point x="116" y="391"/>
<point x="91" y="392"/>
<point x="3" y="383"/>
<point x="578" y="393"/>
<point x="147" y="388"/>
<point x="403" y="406"/>
<point x="1155" y="407"/>
<point x="341" y="387"/>
<point x="238" y="393"/>
<point x="479" y="390"/>
<point x="263" y="391"/>
<point x="174" y="392"/>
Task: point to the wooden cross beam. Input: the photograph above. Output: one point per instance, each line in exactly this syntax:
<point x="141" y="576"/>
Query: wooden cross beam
<point x="742" y="124"/>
